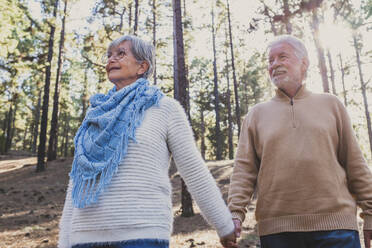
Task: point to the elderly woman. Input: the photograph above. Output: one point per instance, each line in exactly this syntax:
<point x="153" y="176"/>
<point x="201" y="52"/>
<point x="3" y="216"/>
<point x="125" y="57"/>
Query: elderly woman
<point x="119" y="194"/>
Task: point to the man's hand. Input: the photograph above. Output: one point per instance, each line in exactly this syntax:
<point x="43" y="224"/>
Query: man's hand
<point x="367" y="238"/>
<point x="229" y="241"/>
<point x="238" y="227"/>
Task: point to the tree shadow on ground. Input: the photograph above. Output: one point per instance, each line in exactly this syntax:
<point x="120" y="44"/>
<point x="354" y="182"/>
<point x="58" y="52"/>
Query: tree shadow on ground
<point x="189" y="224"/>
<point x="28" y="198"/>
<point x="249" y="237"/>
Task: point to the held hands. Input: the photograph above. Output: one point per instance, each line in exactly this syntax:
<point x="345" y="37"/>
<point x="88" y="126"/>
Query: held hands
<point x="229" y="241"/>
<point x="367" y="238"/>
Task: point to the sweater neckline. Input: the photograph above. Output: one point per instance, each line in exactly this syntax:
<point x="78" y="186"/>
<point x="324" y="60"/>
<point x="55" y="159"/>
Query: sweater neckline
<point x="301" y="93"/>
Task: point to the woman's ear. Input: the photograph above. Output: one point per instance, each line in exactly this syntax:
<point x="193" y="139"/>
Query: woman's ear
<point x="144" y="66"/>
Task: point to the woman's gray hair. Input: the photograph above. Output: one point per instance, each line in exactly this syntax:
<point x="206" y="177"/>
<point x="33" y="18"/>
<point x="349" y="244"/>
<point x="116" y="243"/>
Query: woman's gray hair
<point x="298" y="46"/>
<point x="141" y="50"/>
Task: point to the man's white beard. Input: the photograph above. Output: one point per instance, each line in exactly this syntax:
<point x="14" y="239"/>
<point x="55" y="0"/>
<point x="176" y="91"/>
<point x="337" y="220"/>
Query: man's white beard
<point x="280" y="82"/>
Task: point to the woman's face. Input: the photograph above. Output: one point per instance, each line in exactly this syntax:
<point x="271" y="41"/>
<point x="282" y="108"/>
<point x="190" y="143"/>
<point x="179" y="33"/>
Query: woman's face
<point x="122" y="68"/>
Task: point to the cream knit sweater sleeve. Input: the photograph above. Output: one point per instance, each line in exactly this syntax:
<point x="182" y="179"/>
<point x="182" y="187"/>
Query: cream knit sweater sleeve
<point x="196" y="175"/>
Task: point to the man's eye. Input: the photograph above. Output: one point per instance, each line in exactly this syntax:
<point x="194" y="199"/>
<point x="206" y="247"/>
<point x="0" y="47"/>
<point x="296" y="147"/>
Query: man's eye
<point x="121" y="53"/>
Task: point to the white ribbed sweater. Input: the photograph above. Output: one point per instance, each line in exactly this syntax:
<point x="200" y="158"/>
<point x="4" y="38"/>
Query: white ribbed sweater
<point x="137" y="202"/>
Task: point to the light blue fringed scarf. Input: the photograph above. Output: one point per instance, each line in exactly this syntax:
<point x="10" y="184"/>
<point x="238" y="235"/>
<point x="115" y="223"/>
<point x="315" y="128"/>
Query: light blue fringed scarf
<point x="102" y="139"/>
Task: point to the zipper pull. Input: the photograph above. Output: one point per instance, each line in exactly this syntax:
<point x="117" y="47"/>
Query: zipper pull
<point x="292" y="101"/>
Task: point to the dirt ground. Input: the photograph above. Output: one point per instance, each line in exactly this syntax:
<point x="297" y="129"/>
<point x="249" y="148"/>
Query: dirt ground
<point x="31" y="206"/>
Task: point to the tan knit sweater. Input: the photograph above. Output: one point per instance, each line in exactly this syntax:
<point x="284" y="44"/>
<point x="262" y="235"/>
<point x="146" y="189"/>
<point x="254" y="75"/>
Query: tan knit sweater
<point x="302" y="156"/>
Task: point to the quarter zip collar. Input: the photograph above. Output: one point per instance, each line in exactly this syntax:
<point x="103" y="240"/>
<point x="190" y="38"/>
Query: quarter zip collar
<point x="301" y="93"/>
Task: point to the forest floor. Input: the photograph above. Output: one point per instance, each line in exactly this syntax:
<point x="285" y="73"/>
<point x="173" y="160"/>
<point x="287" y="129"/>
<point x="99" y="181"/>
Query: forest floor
<point x="31" y="205"/>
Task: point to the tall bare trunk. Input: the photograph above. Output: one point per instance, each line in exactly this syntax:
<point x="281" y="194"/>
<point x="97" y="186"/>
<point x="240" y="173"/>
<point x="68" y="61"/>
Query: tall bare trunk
<point x="334" y="91"/>
<point x="287" y="13"/>
<point x="180" y="88"/>
<point x="13" y="120"/>
<point x="66" y="135"/>
<point x="35" y="132"/>
<point x="363" y="90"/>
<point x="24" y="143"/>
<point x="53" y="134"/>
<point x="135" y="17"/>
<point x="44" y="117"/>
<point x="216" y="95"/>
<point x="229" y="116"/>
<point x="237" y="107"/>
<point x="130" y="15"/>
<point x="342" y="69"/>
<point x="84" y="97"/>
<point x="202" y="132"/>
<point x="154" y="34"/>
<point x="320" y="51"/>
<point x="8" y="140"/>
<point x="121" y="20"/>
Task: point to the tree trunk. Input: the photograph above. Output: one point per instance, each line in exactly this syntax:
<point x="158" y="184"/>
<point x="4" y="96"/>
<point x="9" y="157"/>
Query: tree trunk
<point x="154" y="35"/>
<point x="320" y="51"/>
<point x="53" y="135"/>
<point x="237" y="107"/>
<point x="229" y="117"/>
<point x="44" y="116"/>
<point x="287" y="16"/>
<point x="24" y="143"/>
<point x="84" y="97"/>
<point x="342" y="69"/>
<point x="130" y="15"/>
<point x="121" y="20"/>
<point x="35" y="132"/>
<point x="202" y="133"/>
<point x="8" y="141"/>
<point x="334" y="91"/>
<point x="66" y="135"/>
<point x="13" y="120"/>
<point x="364" y="94"/>
<point x="3" y="136"/>
<point x="135" y="17"/>
<point x="180" y="89"/>
<point x="186" y="65"/>
<point x="216" y="97"/>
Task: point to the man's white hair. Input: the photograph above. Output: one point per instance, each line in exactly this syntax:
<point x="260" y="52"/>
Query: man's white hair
<point x="297" y="44"/>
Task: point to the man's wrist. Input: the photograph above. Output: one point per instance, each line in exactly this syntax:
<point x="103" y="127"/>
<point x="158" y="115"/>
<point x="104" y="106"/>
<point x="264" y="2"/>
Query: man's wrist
<point x="238" y="215"/>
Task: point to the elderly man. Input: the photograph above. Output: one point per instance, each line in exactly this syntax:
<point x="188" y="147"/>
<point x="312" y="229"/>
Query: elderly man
<point x="299" y="152"/>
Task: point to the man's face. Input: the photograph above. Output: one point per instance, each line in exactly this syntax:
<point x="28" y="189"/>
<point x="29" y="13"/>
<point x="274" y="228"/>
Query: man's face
<point x="285" y="68"/>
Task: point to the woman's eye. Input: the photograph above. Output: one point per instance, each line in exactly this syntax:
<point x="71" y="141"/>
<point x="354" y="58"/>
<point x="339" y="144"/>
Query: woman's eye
<point x="121" y="53"/>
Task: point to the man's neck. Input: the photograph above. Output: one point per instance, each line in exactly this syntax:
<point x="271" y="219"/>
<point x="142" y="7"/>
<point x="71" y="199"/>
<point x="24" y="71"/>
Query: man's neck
<point x="292" y="91"/>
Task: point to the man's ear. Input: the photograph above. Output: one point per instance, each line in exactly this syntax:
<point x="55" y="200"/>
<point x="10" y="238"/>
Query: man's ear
<point x="304" y="65"/>
<point x="144" y="66"/>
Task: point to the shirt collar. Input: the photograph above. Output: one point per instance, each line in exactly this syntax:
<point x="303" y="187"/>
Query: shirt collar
<point x="301" y="93"/>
